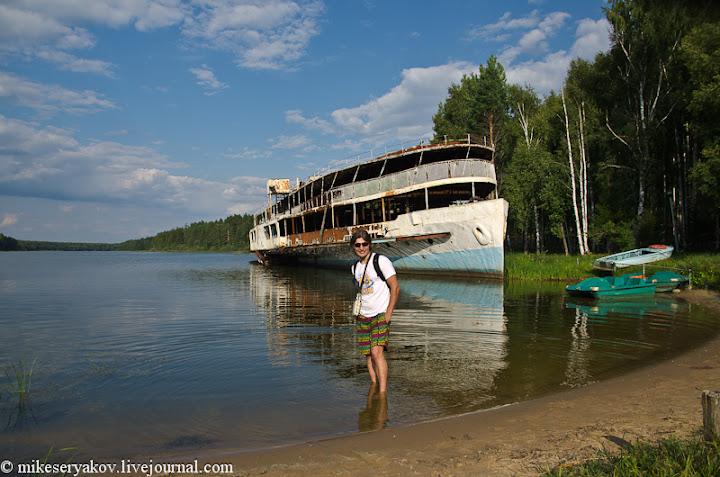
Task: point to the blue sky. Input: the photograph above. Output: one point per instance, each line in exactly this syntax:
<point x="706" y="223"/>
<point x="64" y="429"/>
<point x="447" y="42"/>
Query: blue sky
<point x="120" y="119"/>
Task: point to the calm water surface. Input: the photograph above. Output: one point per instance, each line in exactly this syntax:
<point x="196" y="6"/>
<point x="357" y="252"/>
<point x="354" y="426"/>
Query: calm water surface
<point x="141" y="354"/>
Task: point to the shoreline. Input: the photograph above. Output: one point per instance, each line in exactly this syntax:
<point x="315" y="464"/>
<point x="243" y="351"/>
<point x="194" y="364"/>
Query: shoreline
<point x="525" y="438"/>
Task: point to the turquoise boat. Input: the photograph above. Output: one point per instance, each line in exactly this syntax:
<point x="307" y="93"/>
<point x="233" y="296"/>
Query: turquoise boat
<point x="627" y="285"/>
<point x="666" y="281"/>
<point x="608" y="287"/>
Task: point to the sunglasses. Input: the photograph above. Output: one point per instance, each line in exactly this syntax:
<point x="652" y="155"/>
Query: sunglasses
<point x="361" y="244"/>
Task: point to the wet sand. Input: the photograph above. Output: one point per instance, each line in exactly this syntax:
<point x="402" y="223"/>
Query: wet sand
<point x="526" y="438"/>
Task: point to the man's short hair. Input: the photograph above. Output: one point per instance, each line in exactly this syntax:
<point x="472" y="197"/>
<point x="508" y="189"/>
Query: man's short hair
<point x="363" y="234"/>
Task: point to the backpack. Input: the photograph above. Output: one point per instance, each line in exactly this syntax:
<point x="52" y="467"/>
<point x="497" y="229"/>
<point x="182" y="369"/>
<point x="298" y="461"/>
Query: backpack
<point x="376" y="264"/>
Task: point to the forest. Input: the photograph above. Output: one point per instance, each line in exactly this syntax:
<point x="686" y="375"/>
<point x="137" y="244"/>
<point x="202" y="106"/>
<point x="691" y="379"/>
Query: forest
<point x="626" y="154"/>
<point x="225" y="235"/>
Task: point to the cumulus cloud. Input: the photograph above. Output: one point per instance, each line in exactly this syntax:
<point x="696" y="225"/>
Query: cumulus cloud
<point x="591" y="37"/>
<point x="291" y="142"/>
<point x="47" y="162"/>
<point x="261" y="35"/>
<point x="206" y="78"/>
<point x="295" y="117"/>
<point x="548" y="73"/>
<point x="266" y="35"/>
<point x="50" y="99"/>
<point x="404" y="112"/>
<point x="9" y="219"/>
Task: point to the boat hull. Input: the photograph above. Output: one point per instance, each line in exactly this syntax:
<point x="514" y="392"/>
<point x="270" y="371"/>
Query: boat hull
<point x="639" y="290"/>
<point x="612" y="287"/>
<point x="464" y="239"/>
<point x="627" y="285"/>
<point x="638" y="256"/>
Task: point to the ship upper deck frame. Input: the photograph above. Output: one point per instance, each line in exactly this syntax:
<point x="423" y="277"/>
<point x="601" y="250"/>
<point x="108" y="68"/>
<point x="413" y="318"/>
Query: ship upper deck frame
<point x="370" y="192"/>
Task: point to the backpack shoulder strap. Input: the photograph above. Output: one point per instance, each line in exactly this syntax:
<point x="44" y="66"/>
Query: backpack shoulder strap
<point x="376" y="264"/>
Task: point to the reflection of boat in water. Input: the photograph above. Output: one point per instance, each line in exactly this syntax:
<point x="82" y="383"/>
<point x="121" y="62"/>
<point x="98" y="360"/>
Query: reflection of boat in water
<point x="638" y="256"/>
<point x="443" y="332"/>
<point x="637" y="306"/>
<point x="433" y="207"/>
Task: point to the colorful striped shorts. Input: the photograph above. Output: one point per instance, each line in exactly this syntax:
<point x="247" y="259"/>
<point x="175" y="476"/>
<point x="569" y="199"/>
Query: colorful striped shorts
<point x="372" y="331"/>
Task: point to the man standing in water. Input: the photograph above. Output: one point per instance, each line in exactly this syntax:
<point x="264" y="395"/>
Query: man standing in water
<point x="379" y="295"/>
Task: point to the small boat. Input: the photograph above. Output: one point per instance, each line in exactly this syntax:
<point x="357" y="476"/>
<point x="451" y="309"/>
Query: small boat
<point x="627" y="285"/>
<point x="638" y="256"/>
<point x="666" y="281"/>
<point x="604" y="287"/>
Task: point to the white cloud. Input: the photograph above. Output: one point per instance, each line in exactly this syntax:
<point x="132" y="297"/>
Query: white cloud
<point x="9" y="219"/>
<point x="261" y="35"/>
<point x="267" y="35"/>
<point x="592" y="36"/>
<point x="495" y="31"/>
<point x="545" y="73"/>
<point x="295" y="117"/>
<point x="206" y="79"/>
<point x="49" y="163"/>
<point x="548" y="73"/>
<point x="405" y="112"/>
<point x="292" y="142"/>
<point x="533" y="42"/>
<point x="50" y="98"/>
<point x="69" y="62"/>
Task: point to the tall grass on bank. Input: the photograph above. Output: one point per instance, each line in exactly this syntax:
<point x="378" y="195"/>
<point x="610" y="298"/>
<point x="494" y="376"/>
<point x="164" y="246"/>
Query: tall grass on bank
<point x="705" y="267"/>
<point x="670" y="457"/>
<point x="547" y="266"/>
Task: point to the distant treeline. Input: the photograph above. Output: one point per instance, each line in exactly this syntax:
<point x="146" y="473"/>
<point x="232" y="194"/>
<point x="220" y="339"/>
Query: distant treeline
<point x="11" y="244"/>
<point x="225" y="235"/>
<point x="230" y="234"/>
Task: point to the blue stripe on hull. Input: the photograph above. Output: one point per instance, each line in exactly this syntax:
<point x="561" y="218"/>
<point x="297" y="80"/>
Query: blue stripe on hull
<point x="483" y="261"/>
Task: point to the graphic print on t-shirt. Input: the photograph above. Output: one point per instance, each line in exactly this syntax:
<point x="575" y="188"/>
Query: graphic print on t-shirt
<point x="367" y="287"/>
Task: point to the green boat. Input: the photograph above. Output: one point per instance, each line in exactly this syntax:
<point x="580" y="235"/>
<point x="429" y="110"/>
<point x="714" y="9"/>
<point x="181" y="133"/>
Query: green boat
<point x="627" y="285"/>
<point x="608" y="287"/>
<point x="668" y="281"/>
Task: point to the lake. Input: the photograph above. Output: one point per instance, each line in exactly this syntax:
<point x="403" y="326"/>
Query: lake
<point x="150" y="354"/>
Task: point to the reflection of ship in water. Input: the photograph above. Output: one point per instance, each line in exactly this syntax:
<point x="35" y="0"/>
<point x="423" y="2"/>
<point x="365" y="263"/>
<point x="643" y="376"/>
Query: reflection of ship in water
<point x="458" y="346"/>
<point x="447" y="339"/>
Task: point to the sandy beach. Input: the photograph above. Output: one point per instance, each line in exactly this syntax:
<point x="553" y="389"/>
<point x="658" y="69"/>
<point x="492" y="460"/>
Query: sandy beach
<point x="526" y="438"/>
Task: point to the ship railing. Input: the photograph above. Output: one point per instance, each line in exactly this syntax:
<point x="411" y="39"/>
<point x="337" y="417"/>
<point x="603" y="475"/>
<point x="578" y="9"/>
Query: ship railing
<point x="390" y="149"/>
<point x="397" y="148"/>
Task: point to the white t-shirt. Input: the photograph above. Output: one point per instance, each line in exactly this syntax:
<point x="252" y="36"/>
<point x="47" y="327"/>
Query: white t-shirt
<point x="375" y="292"/>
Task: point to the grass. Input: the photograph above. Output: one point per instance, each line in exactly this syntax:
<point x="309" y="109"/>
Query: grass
<point x="705" y="267"/>
<point x="50" y="452"/>
<point x="20" y="386"/>
<point x="20" y="411"/>
<point x="670" y="457"/>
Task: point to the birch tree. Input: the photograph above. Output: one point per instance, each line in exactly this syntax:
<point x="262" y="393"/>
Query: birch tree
<point x="644" y="47"/>
<point x="578" y="183"/>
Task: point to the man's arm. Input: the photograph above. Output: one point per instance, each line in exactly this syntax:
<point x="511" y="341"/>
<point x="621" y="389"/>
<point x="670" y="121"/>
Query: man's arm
<point x="394" y="293"/>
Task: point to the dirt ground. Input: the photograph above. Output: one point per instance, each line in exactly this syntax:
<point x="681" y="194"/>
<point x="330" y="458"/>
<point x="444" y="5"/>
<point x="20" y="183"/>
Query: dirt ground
<point x="521" y="439"/>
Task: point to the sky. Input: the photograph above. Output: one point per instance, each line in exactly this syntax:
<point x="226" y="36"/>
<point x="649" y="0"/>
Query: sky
<point x="120" y="119"/>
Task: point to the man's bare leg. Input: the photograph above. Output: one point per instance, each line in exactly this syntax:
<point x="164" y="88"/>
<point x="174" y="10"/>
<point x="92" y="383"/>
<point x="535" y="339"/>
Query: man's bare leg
<point x="381" y="368"/>
<point x="371" y="369"/>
